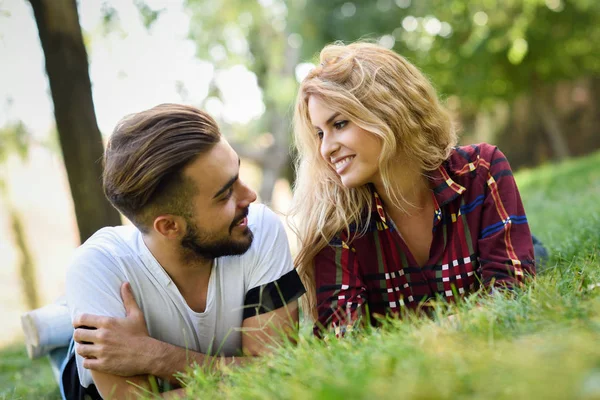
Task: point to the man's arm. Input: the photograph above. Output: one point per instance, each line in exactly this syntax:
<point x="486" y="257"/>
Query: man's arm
<point x="117" y="387"/>
<point x="92" y="345"/>
<point x="259" y="335"/>
<point x="121" y="347"/>
<point x="265" y="331"/>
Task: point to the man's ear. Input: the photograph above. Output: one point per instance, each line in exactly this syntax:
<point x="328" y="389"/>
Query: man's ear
<point x="169" y="226"/>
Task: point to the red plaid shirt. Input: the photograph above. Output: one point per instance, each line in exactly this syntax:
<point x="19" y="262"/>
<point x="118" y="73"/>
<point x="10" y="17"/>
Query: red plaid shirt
<point x="480" y="237"/>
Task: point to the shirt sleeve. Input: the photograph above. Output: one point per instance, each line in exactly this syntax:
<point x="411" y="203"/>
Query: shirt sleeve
<point x="341" y="294"/>
<point x="505" y="245"/>
<point x="93" y="283"/>
<point x="272" y="280"/>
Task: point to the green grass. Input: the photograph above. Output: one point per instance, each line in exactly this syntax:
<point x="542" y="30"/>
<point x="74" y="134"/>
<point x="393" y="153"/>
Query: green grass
<point x="544" y="344"/>
<point x="21" y="378"/>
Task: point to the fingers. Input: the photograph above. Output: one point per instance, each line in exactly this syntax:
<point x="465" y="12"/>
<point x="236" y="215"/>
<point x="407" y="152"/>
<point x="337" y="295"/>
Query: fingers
<point x="82" y="335"/>
<point x="86" y="350"/>
<point x="128" y="299"/>
<point x="92" y="363"/>
<point x="90" y="321"/>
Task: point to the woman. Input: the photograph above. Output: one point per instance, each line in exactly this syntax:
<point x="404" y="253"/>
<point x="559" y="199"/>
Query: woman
<point x="388" y="211"/>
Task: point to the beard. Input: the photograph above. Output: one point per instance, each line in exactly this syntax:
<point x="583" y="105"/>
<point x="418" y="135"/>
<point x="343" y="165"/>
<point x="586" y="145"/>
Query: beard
<point x="197" y="243"/>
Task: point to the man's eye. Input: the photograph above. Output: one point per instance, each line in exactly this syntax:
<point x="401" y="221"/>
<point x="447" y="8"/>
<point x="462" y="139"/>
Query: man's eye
<point x="228" y="194"/>
<point x="340" y="124"/>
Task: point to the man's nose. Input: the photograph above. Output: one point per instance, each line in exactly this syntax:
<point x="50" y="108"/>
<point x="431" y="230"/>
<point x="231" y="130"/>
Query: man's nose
<point x="248" y="196"/>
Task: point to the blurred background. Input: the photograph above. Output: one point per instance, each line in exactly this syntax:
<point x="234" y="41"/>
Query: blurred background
<point x="521" y="74"/>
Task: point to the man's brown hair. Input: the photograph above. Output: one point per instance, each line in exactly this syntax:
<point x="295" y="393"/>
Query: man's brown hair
<point x="145" y="156"/>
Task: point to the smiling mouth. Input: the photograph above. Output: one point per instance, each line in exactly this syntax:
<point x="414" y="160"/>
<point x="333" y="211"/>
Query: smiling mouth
<point x="341" y="164"/>
<point x="241" y="221"/>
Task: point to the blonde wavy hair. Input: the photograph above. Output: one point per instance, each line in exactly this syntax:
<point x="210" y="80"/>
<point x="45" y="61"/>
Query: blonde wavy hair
<point x="381" y="92"/>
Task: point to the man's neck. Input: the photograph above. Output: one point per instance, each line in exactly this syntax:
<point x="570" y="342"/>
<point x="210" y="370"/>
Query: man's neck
<point x="187" y="274"/>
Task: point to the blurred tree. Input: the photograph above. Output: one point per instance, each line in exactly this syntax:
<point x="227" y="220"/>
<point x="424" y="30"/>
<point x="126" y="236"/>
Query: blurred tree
<point x="80" y="138"/>
<point x="480" y="50"/>
<point x="254" y="34"/>
<point x="14" y="139"/>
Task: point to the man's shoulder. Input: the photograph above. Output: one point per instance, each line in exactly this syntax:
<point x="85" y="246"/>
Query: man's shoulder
<point x="259" y="216"/>
<point x="109" y="243"/>
<point x="112" y="239"/>
<point x="269" y="235"/>
<point x="264" y="223"/>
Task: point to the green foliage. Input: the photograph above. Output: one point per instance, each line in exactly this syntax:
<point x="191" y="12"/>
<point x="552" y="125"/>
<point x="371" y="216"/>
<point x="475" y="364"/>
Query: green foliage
<point x="149" y="15"/>
<point x="538" y="345"/>
<point x="21" y="378"/>
<point x="14" y="138"/>
<point x="110" y="18"/>
<point x="493" y="50"/>
<point x="224" y="31"/>
<point x="561" y="202"/>
<point x="254" y="34"/>
<point x="541" y="344"/>
<point x="3" y="12"/>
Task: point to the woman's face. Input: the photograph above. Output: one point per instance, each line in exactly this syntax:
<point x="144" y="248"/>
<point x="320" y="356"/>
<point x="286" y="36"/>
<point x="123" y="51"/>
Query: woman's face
<point x="351" y="151"/>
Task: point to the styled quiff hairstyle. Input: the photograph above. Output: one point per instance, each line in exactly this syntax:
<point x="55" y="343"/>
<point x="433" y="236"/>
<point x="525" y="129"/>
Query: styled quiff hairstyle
<point x="145" y="157"/>
<point x="381" y="92"/>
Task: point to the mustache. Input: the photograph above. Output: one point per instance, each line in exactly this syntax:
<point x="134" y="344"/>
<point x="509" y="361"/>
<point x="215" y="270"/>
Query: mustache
<point x="243" y="215"/>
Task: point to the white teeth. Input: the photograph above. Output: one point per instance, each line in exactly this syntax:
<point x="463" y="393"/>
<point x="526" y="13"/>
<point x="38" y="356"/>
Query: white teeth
<point x="341" y="163"/>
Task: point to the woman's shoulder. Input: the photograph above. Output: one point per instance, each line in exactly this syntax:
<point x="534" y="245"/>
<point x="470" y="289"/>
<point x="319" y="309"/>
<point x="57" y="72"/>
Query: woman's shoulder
<point x="473" y="152"/>
<point x="473" y="156"/>
<point x="342" y="236"/>
<point x="355" y="234"/>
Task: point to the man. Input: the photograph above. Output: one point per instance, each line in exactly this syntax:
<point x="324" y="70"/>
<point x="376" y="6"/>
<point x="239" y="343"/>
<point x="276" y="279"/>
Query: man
<point x="203" y="273"/>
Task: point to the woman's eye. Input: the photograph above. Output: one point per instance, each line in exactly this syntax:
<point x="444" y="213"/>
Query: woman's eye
<point x="320" y="135"/>
<point x="340" y="124"/>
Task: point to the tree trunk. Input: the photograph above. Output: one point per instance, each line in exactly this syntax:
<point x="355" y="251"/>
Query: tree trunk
<point x="80" y="138"/>
<point x="278" y="156"/>
<point x="27" y="273"/>
<point x="552" y="129"/>
<point x="272" y="168"/>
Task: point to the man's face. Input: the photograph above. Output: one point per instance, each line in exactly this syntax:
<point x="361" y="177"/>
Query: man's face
<point x="219" y="226"/>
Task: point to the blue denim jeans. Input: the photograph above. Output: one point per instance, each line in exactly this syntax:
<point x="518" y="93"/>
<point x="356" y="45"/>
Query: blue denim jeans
<point x="57" y="358"/>
<point x="540" y="252"/>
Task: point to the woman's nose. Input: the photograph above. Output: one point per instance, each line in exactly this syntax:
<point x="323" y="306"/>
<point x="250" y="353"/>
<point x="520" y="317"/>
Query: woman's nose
<point x="328" y="146"/>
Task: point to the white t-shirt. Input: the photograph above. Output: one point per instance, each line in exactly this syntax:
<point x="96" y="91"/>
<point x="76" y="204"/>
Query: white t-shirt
<point x="118" y="254"/>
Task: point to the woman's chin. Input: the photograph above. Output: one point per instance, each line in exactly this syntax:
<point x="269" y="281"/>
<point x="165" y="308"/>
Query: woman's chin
<point x="351" y="183"/>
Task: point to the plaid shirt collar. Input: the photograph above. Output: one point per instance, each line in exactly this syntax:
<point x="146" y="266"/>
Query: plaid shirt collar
<point x="445" y="190"/>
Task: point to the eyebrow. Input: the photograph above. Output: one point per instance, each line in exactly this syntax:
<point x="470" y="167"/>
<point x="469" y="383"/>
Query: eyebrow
<point x="228" y="184"/>
<point x="334" y="116"/>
